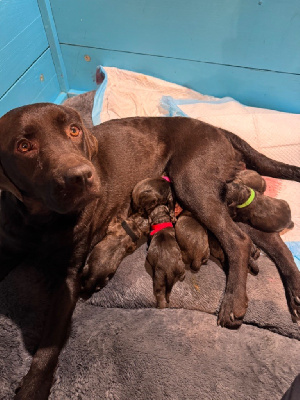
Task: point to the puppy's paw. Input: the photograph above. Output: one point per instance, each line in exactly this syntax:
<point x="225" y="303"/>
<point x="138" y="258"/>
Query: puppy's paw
<point x="163" y="282"/>
<point x="253" y="267"/>
<point x="232" y="311"/>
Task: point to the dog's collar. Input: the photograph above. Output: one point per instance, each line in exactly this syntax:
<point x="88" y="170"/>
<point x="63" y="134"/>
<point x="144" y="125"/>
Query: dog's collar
<point x="129" y="231"/>
<point x="158" y="227"/>
<point x="249" y="201"/>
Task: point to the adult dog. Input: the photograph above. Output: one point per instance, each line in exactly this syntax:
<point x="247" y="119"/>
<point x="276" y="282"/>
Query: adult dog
<point x="63" y="184"/>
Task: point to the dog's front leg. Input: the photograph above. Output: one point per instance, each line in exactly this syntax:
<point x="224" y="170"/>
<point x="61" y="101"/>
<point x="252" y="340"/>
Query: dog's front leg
<point x="37" y="383"/>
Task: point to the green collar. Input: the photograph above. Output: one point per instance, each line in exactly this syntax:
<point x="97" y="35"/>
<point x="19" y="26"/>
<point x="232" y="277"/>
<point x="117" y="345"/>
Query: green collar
<point x="249" y="201"/>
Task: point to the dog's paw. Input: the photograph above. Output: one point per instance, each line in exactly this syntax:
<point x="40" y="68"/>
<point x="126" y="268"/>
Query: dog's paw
<point x="232" y="311"/>
<point x="293" y="301"/>
<point x="33" y="388"/>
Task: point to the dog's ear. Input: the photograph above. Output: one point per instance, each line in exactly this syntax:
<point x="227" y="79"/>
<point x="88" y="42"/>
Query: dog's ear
<point x="91" y="144"/>
<point x="7" y="185"/>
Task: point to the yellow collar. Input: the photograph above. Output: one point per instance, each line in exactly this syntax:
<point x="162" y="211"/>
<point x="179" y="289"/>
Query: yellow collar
<point x="249" y="201"/>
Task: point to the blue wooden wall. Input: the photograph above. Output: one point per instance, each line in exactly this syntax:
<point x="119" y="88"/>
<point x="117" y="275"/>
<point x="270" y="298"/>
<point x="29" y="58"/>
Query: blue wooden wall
<point x="27" y="72"/>
<point x="246" y="49"/>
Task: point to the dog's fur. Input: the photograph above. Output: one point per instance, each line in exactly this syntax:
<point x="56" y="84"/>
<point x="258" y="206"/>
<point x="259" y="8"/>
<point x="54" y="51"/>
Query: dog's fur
<point x="264" y="213"/>
<point x="197" y="244"/>
<point x="106" y="256"/>
<point x="62" y="185"/>
<point x="154" y="198"/>
<point x="192" y="238"/>
<point x="252" y="179"/>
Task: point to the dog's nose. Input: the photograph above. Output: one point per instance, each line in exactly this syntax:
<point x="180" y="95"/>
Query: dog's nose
<point x="79" y="176"/>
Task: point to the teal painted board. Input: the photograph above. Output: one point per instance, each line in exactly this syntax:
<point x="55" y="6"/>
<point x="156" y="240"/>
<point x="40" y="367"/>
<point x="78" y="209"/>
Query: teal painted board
<point x="264" y="89"/>
<point x="260" y="34"/>
<point x="22" y="39"/>
<point x="46" y="13"/>
<point x="15" y="17"/>
<point x="20" y="53"/>
<point x="38" y="84"/>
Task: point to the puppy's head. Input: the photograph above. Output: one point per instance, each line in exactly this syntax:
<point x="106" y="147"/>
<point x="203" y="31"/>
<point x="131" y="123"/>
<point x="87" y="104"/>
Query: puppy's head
<point x="236" y="193"/>
<point x="252" y="179"/>
<point x="46" y="158"/>
<point x="150" y="193"/>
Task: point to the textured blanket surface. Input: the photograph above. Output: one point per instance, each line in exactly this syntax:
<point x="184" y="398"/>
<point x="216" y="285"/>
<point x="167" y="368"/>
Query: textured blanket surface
<point x="121" y="347"/>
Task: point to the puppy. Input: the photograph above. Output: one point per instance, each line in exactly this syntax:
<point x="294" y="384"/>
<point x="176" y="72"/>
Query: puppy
<point x="154" y="198"/>
<point x="262" y="212"/>
<point x="122" y="238"/>
<point x="197" y="244"/>
<point x="252" y="179"/>
<point x="192" y="238"/>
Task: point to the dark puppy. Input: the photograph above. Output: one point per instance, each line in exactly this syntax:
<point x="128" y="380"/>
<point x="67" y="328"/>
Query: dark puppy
<point x="121" y="239"/>
<point x="197" y="244"/>
<point x="154" y="198"/>
<point x="192" y="238"/>
<point x="252" y="179"/>
<point x="62" y="185"/>
<point x="262" y="212"/>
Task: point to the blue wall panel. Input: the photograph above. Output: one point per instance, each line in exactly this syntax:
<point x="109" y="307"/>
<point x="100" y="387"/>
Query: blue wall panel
<point x="30" y="88"/>
<point x="232" y="32"/>
<point x="26" y="67"/>
<point x="246" y="49"/>
<point x="22" y="39"/>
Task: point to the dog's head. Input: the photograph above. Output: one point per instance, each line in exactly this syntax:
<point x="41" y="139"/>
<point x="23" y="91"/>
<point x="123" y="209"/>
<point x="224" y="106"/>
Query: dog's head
<point x="150" y="193"/>
<point x="46" y="158"/>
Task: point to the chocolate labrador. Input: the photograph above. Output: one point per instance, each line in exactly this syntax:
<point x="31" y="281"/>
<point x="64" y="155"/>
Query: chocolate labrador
<point x="63" y="184"/>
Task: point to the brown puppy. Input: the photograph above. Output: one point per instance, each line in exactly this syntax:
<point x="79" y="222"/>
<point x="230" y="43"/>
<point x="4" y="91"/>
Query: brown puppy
<point x="262" y="212"/>
<point x="252" y="179"/>
<point x="197" y="244"/>
<point x="154" y="198"/>
<point x="121" y="239"/>
<point x="192" y="238"/>
<point x="62" y="185"/>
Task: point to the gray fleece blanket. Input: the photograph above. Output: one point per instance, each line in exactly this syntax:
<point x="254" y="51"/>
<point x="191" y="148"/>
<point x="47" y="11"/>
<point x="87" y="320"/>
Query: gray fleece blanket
<point x="121" y="347"/>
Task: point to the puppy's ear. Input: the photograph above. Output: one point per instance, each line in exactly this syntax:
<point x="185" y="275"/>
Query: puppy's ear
<point x="7" y="185"/>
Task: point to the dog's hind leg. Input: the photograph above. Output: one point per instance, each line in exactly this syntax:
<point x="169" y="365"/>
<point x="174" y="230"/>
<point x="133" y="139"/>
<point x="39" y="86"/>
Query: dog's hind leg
<point x="276" y="249"/>
<point x="37" y="382"/>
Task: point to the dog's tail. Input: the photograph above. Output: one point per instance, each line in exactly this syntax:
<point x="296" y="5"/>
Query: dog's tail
<point x="258" y="162"/>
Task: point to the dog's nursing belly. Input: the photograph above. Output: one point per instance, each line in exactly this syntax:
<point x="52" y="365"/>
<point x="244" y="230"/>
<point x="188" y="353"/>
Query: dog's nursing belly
<point x="65" y="187"/>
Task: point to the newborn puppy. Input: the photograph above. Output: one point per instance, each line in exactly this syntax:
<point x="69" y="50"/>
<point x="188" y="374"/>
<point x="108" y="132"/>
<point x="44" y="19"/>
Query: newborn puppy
<point x="252" y="179"/>
<point x="121" y="239"/>
<point x="193" y="240"/>
<point x="197" y="244"/>
<point x="262" y="212"/>
<point x="154" y="198"/>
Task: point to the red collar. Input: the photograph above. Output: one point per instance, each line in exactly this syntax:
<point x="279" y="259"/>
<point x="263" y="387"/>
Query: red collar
<point x="158" y="227"/>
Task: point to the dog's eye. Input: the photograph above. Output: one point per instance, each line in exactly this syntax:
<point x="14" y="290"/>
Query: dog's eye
<point x="74" y="131"/>
<point x="24" y="145"/>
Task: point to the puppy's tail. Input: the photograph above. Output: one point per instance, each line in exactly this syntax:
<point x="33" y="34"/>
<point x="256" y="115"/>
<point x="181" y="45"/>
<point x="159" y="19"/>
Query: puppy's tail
<point x="258" y="162"/>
